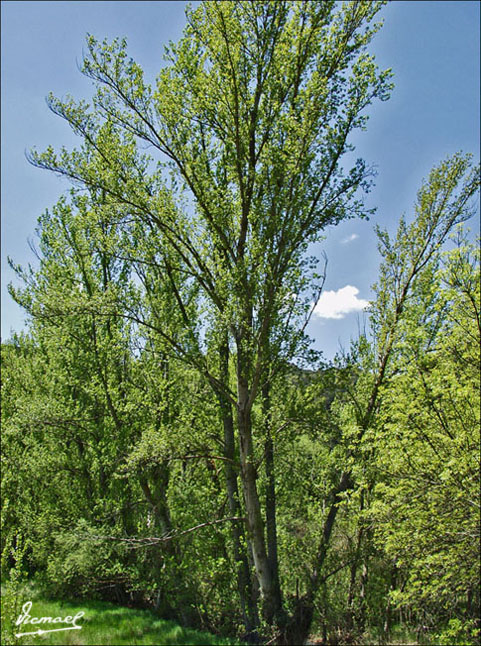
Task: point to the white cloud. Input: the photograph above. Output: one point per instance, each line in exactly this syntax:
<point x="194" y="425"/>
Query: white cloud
<point x="336" y="304"/>
<point x="350" y="238"/>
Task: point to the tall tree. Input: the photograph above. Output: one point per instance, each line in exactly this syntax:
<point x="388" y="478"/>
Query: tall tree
<point x="428" y="504"/>
<point x="444" y="201"/>
<point x="252" y="117"/>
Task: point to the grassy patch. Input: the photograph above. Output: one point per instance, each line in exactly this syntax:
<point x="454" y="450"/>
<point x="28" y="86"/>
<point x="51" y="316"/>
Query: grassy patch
<point x="106" y="623"/>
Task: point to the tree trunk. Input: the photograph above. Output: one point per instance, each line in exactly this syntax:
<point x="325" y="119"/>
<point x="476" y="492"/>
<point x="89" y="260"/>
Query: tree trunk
<point x="361" y="617"/>
<point x="255" y="524"/>
<point x="271" y="524"/>
<point x="299" y="626"/>
<point x="247" y="598"/>
<point x="355" y="617"/>
<point x="388" y="610"/>
<point x="156" y="495"/>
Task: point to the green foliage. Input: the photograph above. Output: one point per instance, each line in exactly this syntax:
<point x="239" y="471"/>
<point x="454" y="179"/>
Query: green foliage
<point x="459" y="632"/>
<point x="161" y="446"/>
<point x="428" y="453"/>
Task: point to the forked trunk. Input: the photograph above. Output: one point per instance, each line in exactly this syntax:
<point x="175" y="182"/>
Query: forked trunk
<point x="271" y="508"/>
<point x="247" y="598"/>
<point x="299" y="625"/>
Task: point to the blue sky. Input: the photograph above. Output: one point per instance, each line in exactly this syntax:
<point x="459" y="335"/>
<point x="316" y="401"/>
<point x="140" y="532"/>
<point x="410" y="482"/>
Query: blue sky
<point x="433" y="48"/>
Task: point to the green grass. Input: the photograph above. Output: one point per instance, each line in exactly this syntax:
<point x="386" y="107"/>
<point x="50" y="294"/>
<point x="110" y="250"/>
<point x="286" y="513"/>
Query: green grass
<point x="106" y="623"/>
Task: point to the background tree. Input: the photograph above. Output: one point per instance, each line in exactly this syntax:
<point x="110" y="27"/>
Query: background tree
<point x="427" y="454"/>
<point x="409" y="260"/>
